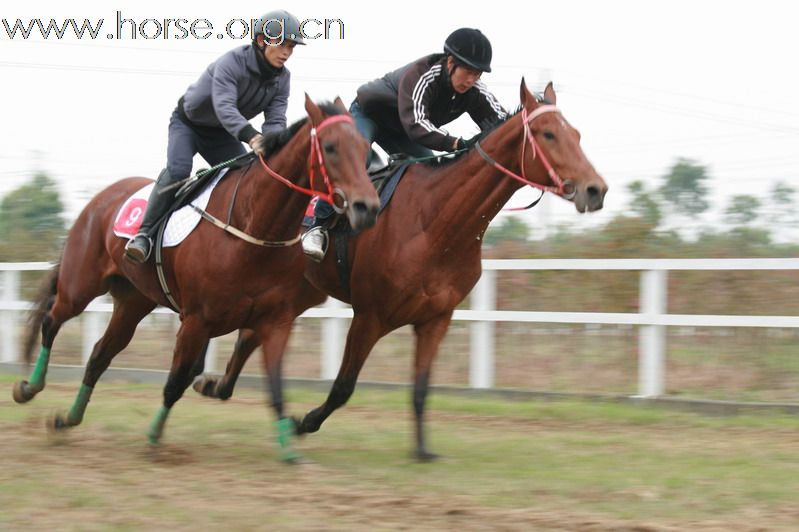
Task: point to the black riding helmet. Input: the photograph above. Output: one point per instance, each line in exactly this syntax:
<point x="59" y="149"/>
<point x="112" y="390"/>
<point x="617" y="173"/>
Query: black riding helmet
<point x="470" y="47"/>
<point x="290" y="29"/>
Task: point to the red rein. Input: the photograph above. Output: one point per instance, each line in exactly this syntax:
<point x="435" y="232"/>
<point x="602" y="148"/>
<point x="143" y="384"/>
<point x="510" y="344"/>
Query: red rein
<point x="314" y="157"/>
<point x="560" y="184"/>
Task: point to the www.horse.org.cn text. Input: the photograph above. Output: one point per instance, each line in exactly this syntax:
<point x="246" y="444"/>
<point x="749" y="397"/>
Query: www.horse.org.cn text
<point x="126" y="28"/>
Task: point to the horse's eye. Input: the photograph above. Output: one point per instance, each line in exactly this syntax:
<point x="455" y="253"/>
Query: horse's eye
<point x="549" y="135"/>
<point x="330" y="148"/>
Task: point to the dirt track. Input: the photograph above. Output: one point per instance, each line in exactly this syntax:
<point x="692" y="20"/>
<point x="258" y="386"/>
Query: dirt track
<point x="103" y="476"/>
<point x="181" y="486"/>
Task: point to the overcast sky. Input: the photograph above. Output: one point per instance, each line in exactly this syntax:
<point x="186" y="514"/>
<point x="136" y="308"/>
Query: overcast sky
<point x="645" y="82"/>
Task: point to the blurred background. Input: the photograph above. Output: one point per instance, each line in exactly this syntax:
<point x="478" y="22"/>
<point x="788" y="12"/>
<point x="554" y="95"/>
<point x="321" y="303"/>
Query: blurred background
<point x="688" y="110"/>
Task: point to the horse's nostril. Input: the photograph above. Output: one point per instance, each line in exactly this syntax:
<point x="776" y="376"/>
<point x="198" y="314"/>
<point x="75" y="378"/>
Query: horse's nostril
<point x="366" y="210"/>
<point x="592" y="191"/>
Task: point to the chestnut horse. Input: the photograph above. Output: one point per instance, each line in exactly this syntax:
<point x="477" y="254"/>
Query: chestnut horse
<point x="422" y="258"/>
<point x="220" y="282"/>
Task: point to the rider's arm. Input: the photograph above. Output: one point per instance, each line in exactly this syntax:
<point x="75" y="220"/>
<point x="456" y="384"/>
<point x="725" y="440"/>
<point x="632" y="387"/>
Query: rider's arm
<point x="275" y="112"/>
<point x="417" y="91"/>
<point x="484" y="109"/>
<point x="224" y="94"/>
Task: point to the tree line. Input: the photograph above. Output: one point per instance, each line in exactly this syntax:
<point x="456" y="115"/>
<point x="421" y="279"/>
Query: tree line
<point x="662" y="219"/>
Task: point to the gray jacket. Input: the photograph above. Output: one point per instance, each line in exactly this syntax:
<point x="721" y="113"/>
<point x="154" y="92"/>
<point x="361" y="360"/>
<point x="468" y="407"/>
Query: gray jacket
<point x="235" y="88"/>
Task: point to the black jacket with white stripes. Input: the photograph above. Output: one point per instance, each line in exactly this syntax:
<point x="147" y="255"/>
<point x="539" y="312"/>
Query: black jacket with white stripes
<point x="417" y="99"/>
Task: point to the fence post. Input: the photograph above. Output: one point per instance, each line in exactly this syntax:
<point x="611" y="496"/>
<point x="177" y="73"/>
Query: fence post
<point x="481" y="362"/>
<point x="210" y="356"/>
<point x="652" y="338"/>
<point x="91" y="332"/>
<point x="332" y="341"/>
<point x="8" y="325"/>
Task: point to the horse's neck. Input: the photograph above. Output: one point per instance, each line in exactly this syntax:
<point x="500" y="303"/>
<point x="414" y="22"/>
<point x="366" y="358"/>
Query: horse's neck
<point x="270" y="210"/>
<point x="476" y="190"/>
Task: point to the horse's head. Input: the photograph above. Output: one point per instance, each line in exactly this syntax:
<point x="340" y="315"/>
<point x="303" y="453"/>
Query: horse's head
<point x="339" y="153"/>
<point x="556" y="145"/>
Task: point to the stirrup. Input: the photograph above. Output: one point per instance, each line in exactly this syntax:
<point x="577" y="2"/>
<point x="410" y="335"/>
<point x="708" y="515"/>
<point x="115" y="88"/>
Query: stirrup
<point x="314" y="243"/>
<point x="134" y="252"/>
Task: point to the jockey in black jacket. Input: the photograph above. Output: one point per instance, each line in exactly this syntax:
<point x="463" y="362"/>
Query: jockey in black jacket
<point x="404" y="110"/>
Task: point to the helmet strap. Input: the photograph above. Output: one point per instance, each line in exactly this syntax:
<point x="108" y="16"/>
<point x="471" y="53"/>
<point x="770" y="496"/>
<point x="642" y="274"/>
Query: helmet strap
<point x="258" y="46"/>
<point x="455" y="65"/>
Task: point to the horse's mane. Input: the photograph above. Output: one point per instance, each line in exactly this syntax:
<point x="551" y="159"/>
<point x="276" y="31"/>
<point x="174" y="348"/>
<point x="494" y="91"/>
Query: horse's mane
<point x="445" y="160"/>
<point x="274" y="142"/>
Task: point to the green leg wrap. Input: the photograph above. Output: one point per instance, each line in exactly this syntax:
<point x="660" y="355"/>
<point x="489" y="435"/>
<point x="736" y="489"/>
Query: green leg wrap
<point x="75" y="415"/>
<point x="40" y="370"/>
<point x="285" y="429"/>
<point x="157" y="427"/>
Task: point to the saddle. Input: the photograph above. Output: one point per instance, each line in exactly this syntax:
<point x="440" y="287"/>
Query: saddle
<point x="193" y="187"/>
<point x="385" y="181"/>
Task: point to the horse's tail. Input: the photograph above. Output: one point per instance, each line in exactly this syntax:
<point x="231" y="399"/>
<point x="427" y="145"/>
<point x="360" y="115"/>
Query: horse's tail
<point x="42" y="305"/>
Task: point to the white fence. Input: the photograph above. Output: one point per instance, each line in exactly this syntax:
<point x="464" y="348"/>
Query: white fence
<point x="652" y="317"/>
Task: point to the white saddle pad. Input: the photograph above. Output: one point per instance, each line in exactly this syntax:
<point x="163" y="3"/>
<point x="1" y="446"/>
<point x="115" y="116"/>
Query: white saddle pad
<point x="180" y="224"/>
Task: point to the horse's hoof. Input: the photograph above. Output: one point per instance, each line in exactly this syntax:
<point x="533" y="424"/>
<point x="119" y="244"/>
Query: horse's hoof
<point x="21" y="392"/>
<point x="426" y="457"/>
<point x="57" y="423"/>
<point x="204" y="386"/>
<point x="304" y="426"/>
<point x="297" y="459"/>
<point x="153" y="439"/>
<point x="297" y="422"/>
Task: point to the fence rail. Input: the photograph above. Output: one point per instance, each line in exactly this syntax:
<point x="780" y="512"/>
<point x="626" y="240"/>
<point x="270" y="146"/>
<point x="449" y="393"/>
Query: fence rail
<point x="652" y="317"/>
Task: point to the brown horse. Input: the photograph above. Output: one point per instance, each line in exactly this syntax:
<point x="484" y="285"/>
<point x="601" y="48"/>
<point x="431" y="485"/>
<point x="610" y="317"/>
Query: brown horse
<point x="220" y="282"/>
<point x="423" y="256"/>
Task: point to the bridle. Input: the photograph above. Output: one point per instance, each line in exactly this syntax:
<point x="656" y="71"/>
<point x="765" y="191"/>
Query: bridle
<point x="315" y="158"/>
<point x="563" y="188"/>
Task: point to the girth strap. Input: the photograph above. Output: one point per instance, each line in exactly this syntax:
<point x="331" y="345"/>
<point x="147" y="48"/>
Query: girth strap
<point x="159" y="267"/>
<point x="242" y="235"/>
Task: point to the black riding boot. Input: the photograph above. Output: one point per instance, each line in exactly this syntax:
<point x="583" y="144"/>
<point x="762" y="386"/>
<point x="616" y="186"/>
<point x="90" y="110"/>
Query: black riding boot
<point x="138" y="248"/>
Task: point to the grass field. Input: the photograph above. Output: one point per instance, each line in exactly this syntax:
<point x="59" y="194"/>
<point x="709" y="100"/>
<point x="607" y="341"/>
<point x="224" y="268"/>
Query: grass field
<point x="508" y="465"/>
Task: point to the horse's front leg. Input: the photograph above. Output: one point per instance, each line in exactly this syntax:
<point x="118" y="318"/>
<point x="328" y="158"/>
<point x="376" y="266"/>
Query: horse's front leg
<point x="192" y="339"/>
<point x="274" y="336"/>
<point x="222" y="387"/>
<point x="364" y="333"/>
<point x="428" y="339"/>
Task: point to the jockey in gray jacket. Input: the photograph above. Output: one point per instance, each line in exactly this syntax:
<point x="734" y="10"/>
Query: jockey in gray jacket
<point x="212" y="117"/>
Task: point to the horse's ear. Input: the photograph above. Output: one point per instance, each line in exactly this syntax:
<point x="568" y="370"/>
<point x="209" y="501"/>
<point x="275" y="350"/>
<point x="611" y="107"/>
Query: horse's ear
<point x="314" y="113"/>
<point x="340" y="104"/>
<point x="549" y="94"/>
<point x="525" y="96"/>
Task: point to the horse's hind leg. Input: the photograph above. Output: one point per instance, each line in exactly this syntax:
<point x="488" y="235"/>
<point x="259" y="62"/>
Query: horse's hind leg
<point x="55" y="308"/>
<point x="130" y="306"/>
<point x="192" y="339"/>
<point x="222" y="387"/>
<point x="24" y="391"/>
<point x="306" y="297"/>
